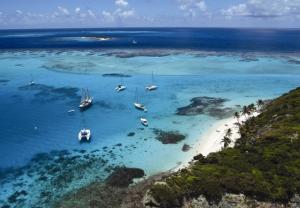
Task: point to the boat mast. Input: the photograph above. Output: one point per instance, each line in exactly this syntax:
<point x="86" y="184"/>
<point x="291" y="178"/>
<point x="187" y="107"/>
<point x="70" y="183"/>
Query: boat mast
<point x="136" y="95"/>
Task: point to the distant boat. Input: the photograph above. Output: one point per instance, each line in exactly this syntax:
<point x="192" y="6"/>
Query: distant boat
<point x="71" y="111"/>
<point x="152" y="87"/>
<point x="86" y="100"/>
<point x="144" y="122"/>
<point x="84" y="135"/>
<point x="134" y="42"/>
<point x="120" y="87"/>
<point x="31" y="81"/>
<point x="138" y="105"/>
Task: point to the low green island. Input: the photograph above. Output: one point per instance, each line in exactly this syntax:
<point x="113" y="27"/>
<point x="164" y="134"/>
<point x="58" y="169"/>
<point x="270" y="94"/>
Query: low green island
<point x="264" y="163"/>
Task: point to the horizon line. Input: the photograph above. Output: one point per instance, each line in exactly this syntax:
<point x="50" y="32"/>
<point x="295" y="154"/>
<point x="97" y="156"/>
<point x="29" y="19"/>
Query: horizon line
<point x="145" y="27"/>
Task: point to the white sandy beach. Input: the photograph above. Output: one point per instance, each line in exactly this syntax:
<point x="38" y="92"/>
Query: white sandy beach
<point x="211" y="140"/>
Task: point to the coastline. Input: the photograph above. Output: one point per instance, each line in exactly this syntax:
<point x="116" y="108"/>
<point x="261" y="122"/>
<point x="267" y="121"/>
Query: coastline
<point x="211" y="140"/>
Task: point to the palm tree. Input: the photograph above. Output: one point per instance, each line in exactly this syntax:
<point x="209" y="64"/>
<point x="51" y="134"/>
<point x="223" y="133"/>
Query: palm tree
<point x="245" y="111"/>
<point x="237" y="116"/>
<point x="252" y="108"/>
<point x="228" y="133"/>
<point x="226" y="141"/>
<point x="259" y="104"/>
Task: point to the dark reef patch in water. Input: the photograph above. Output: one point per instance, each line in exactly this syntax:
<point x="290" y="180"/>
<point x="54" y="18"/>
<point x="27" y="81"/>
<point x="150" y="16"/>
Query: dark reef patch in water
<point x="247" y="58"/>
<point x="45" y="93"/>
<point x="73" y="67"/>
<point x="116" y="75"/>
<point x="4" y="81"/>
<point x="206" y="105"/>
<point x="168" y="137"/>
<point x="294" y="61"/>
<point x="138" y="53"/>
<point x="51" y="175"/>
<point x="130" y="134"/>
<point x="186" y="148"/>
<point x="123" y="176"/>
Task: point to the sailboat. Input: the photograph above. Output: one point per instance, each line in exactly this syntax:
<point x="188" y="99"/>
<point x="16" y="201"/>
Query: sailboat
<point x="86" y="100"/>
<point x="120" y="87"/>
<point x="138" y="105"/>
<point x="152" y="87"/>
<point x="144" y="122"/>
<point x="84" y="134"/>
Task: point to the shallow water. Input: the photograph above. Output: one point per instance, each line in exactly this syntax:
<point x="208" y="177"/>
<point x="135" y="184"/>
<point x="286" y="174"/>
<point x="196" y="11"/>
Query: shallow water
<point x="35" y="119"/>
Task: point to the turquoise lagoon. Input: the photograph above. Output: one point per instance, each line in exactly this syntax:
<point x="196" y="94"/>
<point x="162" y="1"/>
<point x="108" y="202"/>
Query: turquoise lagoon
<point x="35" y="120"/>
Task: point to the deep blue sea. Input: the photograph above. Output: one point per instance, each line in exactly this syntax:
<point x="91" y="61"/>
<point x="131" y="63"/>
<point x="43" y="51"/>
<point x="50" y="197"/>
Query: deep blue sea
<point x="207" y="39"/>
<point x="39" y="149"/>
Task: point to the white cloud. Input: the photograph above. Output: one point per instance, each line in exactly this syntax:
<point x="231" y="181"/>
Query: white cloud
<point x="108" y="16"/>
<point x="91" y="13"/>
<point x="264" y="8"/>
<point x="122" y="3"/>
<point x="120" y="12"/>
<point x="192" y="7"/>
<point x="63" y="10"/>
<point x="19" y="12"/>
<point x="77" y="10"/>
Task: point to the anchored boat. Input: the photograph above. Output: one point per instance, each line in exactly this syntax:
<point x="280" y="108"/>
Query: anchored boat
<point x="84" y="135"/>
<point x="86" y="100"/>
<point x="138" y="105"/>
<point x="144" y="122"/>
<point x="152" y="86"/>
<point x="121" y="86"/>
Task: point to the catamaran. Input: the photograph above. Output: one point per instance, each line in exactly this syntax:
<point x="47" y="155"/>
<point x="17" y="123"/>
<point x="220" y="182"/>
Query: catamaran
<point x="86" y="100"/>
<point x="120" y="87"/>
<point x="138" y="105"/>
<point x="84" y="135"/>
<point x="144" y="122"/>
<point x="151" y="87"/>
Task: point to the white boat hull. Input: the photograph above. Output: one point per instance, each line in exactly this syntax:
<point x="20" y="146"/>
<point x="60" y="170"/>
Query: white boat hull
<point x="140" y="106"/>
<point x="84" y="137"/>
<point x="85" y="103"/>
<point x="144" y="122"/>
<point x="120" y="88"/>
<point x="151" y="87"/>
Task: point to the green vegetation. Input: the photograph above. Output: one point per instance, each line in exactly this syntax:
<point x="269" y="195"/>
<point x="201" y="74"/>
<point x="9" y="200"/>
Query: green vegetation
<point x="263" y="165"/>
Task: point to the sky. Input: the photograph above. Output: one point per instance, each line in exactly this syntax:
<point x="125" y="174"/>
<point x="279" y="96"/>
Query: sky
<point x="149" y="13"/>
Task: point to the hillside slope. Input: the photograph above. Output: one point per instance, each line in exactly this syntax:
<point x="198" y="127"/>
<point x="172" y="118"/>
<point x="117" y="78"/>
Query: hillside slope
<point x="264" y="164"/>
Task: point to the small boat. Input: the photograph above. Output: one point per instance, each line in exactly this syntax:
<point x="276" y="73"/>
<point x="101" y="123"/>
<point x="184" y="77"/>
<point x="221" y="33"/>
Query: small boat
<point x="86" y="100"/>
<point x="121" y="86"/>
<point x="152" y="87"/>
<point x="144" y="122"/>
<point x="138" y="105"/>
<point x="71" y="111"/>
<point x="134" y="42"/>
<point x="84" y="135"/>
<point x="31" y="81"/>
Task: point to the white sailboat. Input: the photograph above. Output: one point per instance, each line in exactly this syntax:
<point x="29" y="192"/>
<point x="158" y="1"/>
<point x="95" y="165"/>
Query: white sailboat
<point x="144" y="122"/>
<point x="152" y="87"/>
<point x="120" y="87"/>
<point x="86" y="100"/>
<point x="138" y="105"/>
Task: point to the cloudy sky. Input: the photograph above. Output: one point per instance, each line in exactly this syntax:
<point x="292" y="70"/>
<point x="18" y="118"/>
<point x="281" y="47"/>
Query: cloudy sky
<point x="149" y="13"/>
